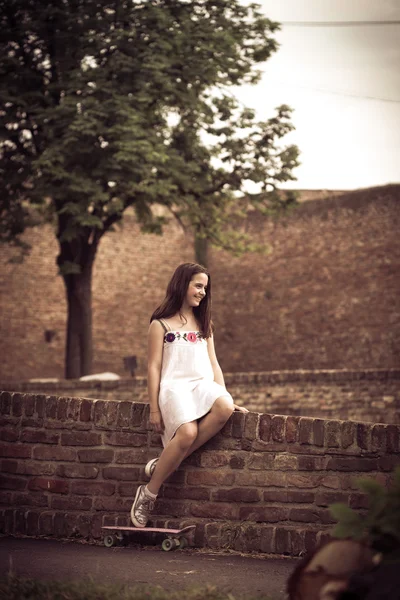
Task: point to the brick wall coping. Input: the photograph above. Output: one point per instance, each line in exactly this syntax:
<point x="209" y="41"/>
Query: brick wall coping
<point x="330" y="376"/>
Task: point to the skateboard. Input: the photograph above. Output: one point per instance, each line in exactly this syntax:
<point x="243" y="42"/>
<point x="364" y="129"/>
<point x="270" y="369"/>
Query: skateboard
<point x="175" y="538"/>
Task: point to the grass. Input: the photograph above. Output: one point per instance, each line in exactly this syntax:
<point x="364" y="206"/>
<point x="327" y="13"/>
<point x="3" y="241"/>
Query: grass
<point x="18" y="588"/>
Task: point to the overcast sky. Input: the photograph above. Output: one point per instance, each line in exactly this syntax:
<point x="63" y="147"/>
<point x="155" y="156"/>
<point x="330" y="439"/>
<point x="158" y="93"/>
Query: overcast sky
<point x="333" y="78"/>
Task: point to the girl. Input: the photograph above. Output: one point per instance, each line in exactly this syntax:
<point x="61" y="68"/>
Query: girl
<point x="189" y="403"/>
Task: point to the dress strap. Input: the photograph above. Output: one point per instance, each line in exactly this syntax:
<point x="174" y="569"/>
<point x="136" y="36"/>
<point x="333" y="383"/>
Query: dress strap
<point x="165" y="325"/>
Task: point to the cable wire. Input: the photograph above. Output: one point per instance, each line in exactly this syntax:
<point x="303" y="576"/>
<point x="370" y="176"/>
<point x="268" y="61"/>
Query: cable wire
<point x="337" y="23"/>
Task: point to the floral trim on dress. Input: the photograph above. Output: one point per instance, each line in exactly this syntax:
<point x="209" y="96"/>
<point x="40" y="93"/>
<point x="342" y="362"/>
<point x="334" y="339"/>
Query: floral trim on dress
<point x="187" y="336"/>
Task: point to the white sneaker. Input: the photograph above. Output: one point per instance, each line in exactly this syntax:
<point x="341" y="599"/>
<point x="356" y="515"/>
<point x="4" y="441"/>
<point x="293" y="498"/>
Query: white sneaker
<point x="149" y="468"/>
<point x="142" y="507"/>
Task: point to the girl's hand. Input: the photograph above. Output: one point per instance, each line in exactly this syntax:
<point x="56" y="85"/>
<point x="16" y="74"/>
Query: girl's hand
<point x="156" y="421"/>
<point x="240" y="408"/>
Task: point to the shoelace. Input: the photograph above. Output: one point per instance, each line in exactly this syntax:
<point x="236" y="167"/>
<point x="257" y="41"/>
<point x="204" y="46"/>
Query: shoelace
<point x="147" y="504"/>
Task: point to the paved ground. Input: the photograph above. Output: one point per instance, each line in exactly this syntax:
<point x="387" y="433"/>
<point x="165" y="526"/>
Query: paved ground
<point x="49" y="559"/>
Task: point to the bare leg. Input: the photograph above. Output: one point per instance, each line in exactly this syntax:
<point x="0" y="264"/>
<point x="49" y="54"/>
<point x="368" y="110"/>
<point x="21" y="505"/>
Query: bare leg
<point x="212" y="422"/>
<point x="172" y="455"/>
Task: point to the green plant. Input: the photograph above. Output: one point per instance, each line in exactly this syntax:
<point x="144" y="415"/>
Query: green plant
<point x="379" y="525"/>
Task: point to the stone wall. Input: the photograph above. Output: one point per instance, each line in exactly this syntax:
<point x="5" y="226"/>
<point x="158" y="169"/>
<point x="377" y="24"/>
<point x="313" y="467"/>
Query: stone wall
<point x="325" y="297"/>
<point x="366" y="395"/>
<point x="264" y="484"/>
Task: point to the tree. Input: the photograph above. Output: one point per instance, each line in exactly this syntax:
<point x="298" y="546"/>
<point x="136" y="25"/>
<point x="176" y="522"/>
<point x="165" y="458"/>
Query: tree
<point x="88" y="88"/>
<point x="211" y="176"/>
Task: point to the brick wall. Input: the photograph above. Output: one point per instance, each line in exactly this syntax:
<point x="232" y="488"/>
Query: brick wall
<point x="326" y="297"/>
<point x="71" y="465"/>
<point x="365" y="395"/>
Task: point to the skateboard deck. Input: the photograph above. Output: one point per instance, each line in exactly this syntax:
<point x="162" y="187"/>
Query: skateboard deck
<point x="175" y="538"/>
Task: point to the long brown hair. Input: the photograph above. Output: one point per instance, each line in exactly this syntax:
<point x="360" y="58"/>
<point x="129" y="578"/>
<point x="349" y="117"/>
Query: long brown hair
<point x="176" y="293"/>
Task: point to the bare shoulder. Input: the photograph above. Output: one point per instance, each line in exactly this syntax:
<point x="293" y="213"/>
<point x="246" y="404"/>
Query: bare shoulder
<point x="156" y="329"/>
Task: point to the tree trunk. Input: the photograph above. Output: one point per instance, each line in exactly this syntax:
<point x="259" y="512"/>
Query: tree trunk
<point x="201" y="250"/>
<point x="79" y="345"/>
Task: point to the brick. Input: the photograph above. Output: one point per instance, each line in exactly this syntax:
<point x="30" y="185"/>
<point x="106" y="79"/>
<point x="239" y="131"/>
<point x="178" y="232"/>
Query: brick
<point x="175" y="508"/>
<point x="54" y="453"/>
<point x="392" y="438"/>
<point x="304" y="515"/>
<point x="213" y="459"/>
<point x="327" y="498"/>
<point x="311" y="463"/>
<point x="138" y="414"/>
<point x="285" y="462"/>
<point x="39" y="437"/>
<point x="71" y="502"/>
<point x="238" y="423"/>
<point x="186" y="493"/>
<point x="46" y="523"/>
<point x="5" y="403"/>
<point x="263" y="514"/>
<point x="9" y="466"/>
<point x="378" y="438"/>
<point x="74" y="409"/>
<point x="37" y="468"/>
<point x="306" y="430"/>
<point x="124" y="414"/>
<point x="347" y="434"/>
<point x="8" y="482"/>
<point x="19" y="521"/>
<point x="9" y="435"/>
<point x="352" y="464"/>
<point x="358" y="501"/>
<point x="15" y="451"/>
<point x="331" y="481"/>
<point x="51" y="407"/>
<point x="215" y="510"/>
<point x="260" y="460"/>
<point x="56" y="486"/>
<point x="96" y="456"/>
<point x="318" y="432"/>
<point x="251" y="426"/>
<point x="310" y="541"/>
<point x="211" y="478"/>
<point x="332" y="434"/>
<point x="292" y="429"/>
<point x="16" y="404"/>
<point x="236" y="495"/>
<point x="260" y="478"/>
<point x="121" y="473"/>
<point x="364" y="436"/>
<point x="92" y="488"/>
<point x="125" y="438"/>
<point x="80" y="438"/>
<point x="77" y="471"/>
<point x="238" y="461"/>
<point x="278" y="428"/>
<point x="29" y="405"/>
<point x="133" y="457"/>
<point x="40" y="405"/>
<point x="282" y="541"/>
<point x="302" y="481"/>
<point x="267" y="539"/>
<point x="28" y="499"/>
<point x="85" y="413"/>
<point x="292" y="496"/>
<point x="296" y="540"/>
<point x="62" y="409"/>
<point x="32" y="523"/>
<point x="265" y="427"/>
<point x="113" y="503"/>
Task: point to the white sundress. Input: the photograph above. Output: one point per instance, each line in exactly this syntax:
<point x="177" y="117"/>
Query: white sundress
<point x="187" y="386"/>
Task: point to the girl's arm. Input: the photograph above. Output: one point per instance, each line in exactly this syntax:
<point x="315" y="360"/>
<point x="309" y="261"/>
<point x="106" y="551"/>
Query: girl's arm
<point x="154" y="363"/>
<point x="218" y="375"/>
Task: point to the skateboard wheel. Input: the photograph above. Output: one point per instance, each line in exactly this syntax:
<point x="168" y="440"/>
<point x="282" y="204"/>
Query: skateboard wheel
<point x="183" y="542"/>
<point x="168" y="545"/>
<point x="109" y="540"/>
